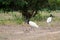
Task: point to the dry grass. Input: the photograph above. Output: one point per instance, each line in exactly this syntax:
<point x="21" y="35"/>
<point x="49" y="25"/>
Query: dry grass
<point x="16" y="18"/>
<point x="11" y="31"/>
<point x="55" y="21"/>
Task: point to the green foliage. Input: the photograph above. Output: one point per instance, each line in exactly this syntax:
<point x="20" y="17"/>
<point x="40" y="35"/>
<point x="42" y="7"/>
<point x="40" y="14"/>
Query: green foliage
<point x="17" y="19"/>
<point x="39" y="17"/>
<point x="33" y="5"/>
<point x="54" y="4"/>
<point x="7" y="18"/>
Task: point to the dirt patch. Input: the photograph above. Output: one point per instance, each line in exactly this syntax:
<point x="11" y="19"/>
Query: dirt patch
<point x="19" y="32"/>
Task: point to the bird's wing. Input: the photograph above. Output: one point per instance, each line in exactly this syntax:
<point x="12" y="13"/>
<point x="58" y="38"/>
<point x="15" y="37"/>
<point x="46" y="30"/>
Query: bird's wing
<point x="33" y="24"/>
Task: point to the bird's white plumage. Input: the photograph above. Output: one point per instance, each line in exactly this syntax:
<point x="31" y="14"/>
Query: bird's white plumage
<point x="33" y="24"/>
<point x="49" y="19"/>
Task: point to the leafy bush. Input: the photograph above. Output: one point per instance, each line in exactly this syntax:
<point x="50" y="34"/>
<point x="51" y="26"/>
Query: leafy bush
<point x="39" y="17"/>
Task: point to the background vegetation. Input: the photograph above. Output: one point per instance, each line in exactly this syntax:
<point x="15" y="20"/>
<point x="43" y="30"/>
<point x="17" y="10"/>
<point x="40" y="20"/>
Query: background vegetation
<point x="27" y="9"/>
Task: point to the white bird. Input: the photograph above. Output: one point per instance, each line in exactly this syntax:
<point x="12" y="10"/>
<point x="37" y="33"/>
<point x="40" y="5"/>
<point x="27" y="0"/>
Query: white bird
<point x="32" y="24"/>
<point x="49" y="19"/>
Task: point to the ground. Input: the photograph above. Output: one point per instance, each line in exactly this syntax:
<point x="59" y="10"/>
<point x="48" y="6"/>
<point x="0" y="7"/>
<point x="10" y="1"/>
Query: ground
<point x="20" y="32"/>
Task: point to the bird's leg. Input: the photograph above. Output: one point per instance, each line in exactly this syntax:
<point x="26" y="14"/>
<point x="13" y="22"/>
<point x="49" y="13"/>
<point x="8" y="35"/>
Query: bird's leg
<point x="33" y="29"/>
<point x="49" y="26"/>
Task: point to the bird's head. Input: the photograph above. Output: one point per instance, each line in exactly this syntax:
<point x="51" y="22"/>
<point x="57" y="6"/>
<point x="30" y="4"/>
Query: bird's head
<point x="51" y="15"/>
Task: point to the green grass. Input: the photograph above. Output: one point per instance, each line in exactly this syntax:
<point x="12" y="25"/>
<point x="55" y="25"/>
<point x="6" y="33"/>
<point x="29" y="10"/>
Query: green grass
<point x="16" y="17"/>
<point x="11" y="17"/>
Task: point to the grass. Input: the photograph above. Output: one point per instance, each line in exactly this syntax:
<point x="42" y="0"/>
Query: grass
<point x="40" y="18"/>
<point x="7" y="18"/>
<point x="16" y="17"/>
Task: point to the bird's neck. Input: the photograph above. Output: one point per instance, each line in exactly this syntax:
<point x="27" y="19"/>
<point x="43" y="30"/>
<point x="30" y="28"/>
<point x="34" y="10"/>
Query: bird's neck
<point x="27" y="21"/>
